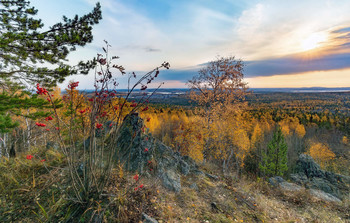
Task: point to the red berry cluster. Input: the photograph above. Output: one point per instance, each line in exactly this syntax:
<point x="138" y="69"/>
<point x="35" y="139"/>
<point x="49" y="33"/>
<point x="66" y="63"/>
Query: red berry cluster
<point x="136" y="178"/>
<point x="30" y="157"/>
<point x="40" y="124"/>
<point x="41" y="90"/>
<point x="73" y="85"/>
<point x="48" y="118"/>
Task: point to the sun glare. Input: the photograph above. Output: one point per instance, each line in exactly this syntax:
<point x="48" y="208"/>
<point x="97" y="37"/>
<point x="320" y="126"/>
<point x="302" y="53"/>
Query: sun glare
<point x="313" y="41"/>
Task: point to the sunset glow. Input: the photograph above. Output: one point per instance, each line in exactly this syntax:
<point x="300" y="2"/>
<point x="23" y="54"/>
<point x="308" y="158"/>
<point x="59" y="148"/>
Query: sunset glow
<point x="272" y="37"/>
<point x="313" y="41"/>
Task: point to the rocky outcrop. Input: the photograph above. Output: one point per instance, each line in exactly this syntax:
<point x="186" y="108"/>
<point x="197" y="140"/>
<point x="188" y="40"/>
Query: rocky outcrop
<point x="324" y="196"/>
<point x="310" y="175"/>
<point x="144" y="154"/>
<point x="319" y="183"/>
<point x="292" y="187"/>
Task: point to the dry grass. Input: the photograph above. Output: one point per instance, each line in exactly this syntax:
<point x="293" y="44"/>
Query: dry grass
<point x="225" y="200"/>
<point x="243" y="200"/>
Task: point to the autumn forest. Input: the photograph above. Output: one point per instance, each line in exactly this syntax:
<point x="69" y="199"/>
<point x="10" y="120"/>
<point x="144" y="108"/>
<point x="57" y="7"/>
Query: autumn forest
<point x="124" y="151"/>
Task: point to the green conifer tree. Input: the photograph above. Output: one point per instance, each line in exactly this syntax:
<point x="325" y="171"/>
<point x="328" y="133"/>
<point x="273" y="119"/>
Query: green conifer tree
<point x="274" y="160"/>
<point x="24" y="44"/>
<point x="26" y="50"/>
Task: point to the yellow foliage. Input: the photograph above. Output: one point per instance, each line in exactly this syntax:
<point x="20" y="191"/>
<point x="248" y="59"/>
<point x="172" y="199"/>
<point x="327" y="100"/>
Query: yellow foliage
<point x="315" y="118"/>
<point x="345" y="140"/>
<point x="289" y="124"/>
<point x="189" y="139"/>
<point x="241" y="141"/>
<point x="321" y="153"/>
<point x="229" y="136"/>
<point x="285" y="129"/>
<point x="167" y="140"/>
<point x="324" y="119"/>
<point x="256" y="135"/>
<point x="300" y="130"/>
<point x="56" y="93"/>
<point x="153" y="124"/>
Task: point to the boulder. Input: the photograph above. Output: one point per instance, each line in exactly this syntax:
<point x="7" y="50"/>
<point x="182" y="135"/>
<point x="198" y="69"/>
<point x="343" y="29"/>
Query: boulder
<point x="137" y="152"/>
<point x="309" y="174"/>
<point x="324" y="196"/>
<point x="290" y="186"/>
<point x="275" y="181"/>
<point x="284" y="185"/>
<point x="148" y="219"/>
<point x="194" y="186"/>
<point x="171" y="180"/>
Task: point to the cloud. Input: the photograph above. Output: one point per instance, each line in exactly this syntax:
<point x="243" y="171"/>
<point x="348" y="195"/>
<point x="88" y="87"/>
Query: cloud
<point x="334" y="55"/>
<point x="330" y="78"/>
<point x="274" y="28"/>
<point x="290" y="65"/>
<point x="342" y="30"/>
<point x="178" y="74"/>
<point x="267" y="34"/>
<point x="343" y="36"/>
<point x="148" y="49"/>
<point x="186" y="33"/>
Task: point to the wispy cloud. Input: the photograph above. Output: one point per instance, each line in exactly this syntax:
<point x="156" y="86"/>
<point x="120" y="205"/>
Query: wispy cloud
<point x="277" y="28"/>
<point x="333" y="55"/>
<point x="148" y="49"/>
<point x="268" y="34"/>
<point x="290" y="65"/>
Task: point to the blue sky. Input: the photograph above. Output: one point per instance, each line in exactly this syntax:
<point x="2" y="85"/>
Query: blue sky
<point x="286" y="43"/>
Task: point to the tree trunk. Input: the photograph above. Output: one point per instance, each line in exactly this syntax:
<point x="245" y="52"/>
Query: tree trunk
<point x="12" y="152"/>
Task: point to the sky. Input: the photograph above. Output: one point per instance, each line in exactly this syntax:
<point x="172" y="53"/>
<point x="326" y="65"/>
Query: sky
<point x="289" y="43"/>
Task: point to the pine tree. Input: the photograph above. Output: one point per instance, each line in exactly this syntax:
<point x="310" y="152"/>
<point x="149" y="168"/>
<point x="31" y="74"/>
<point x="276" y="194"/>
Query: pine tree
<point x="274" y="160"/>
<point x="26" y="50"/>
<point x="24" y="45"/>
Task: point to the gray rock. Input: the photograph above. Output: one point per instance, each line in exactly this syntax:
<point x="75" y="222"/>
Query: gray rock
<point x="198" y="172"/>
<point x="194" y="186"/>
<point x="185" y="168"/>
<point x="320" y="185"/>
<point x="284" y="185"/>
<point x="299" y="179"/>
<point x="324" y="196"/>
<point x="309" y="174"/>
<point x="290" y="186"/>
<point x="211" y="176"/>
<point x="309" y="167"/>
<point x="148" y="219"/>
<point x="325" y="185"/>
<point x="130" y="148"/>
<point x="171" y="180"/>
<point x="275" y="181"/>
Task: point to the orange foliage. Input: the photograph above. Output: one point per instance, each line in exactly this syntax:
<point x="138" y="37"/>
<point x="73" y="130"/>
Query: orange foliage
<point x="256" y="135"/>
<point x="321" y="153"/>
